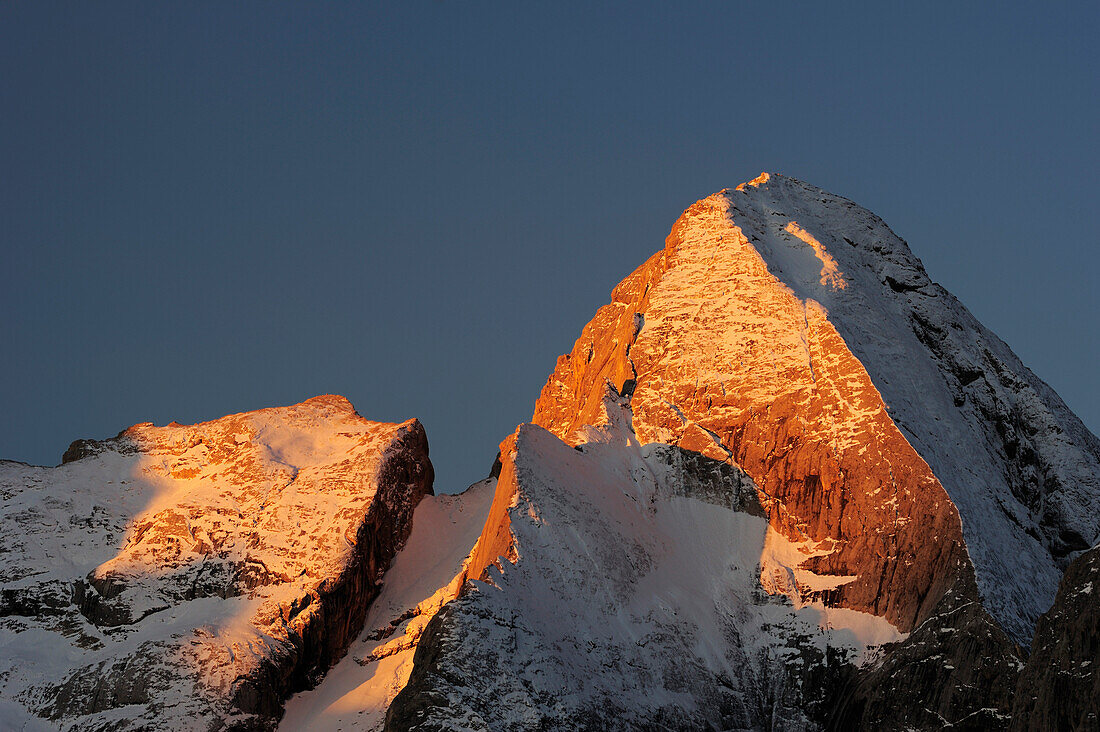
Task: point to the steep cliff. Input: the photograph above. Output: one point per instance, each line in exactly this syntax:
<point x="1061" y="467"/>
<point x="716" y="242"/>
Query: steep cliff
<point x="1060" y="686"/>
<point x="791" y="331"/>
<point x="428" y="573"/>
<point x="191" y="577"/>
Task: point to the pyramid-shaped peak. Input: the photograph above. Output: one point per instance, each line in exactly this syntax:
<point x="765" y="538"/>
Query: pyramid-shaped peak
<point x="778" y="308"/>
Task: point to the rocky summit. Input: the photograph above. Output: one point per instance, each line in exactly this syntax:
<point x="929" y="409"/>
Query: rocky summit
<point x="782" y="481"/>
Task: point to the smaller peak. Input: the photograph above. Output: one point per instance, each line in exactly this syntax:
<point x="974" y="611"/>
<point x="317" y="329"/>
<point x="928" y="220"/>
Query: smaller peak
<point x="757" y="181"/>
<point x="135" y="430"/>
<point x="330" y="400"/>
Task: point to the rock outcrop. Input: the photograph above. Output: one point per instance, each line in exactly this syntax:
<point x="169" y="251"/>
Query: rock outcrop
<point x="1060" y="686"/>
<point x="790" y="331"/>
<point x="954" y="671"/>
<point x="193" y="576"/>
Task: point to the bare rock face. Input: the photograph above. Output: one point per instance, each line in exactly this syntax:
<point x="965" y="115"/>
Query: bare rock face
<point x="792" y="332"/>
<point x="954" y="671"/>
<point x="914" y="483"/>
<point x="427" y="573"/>
<point x="1060" y="686"/>
<point x="193" y="576"/>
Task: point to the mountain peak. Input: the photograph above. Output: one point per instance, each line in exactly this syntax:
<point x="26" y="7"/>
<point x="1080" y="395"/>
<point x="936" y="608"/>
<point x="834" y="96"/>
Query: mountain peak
<point x="757" y="181"/>
<point x="779" y="306"/>
<point x="781" y="429"/>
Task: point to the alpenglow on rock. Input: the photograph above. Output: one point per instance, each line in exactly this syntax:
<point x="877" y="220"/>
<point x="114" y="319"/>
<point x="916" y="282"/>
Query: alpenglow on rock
<point x="191" y="577"/>
<point x="782" y="481"/>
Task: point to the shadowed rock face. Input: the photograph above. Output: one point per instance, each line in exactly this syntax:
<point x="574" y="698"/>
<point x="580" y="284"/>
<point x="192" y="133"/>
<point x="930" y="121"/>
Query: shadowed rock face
<point x="955" y="670"/>
<point x="1060" y="686"/>
<point x="196" y="575"/>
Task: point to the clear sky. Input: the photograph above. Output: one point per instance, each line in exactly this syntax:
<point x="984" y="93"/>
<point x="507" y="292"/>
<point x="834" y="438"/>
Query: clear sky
<point x="208" y="208"/>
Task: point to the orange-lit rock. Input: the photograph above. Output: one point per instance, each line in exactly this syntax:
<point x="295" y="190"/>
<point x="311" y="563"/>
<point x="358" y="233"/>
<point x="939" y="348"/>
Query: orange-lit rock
<point x="726" y="359"/>
<point x="428" y="573"/>
<point x="793" y="332"/>
<point x="218" y="566"/>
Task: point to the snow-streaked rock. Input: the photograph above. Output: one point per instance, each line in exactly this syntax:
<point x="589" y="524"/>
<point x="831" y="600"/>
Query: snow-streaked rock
<point x="1060" y="686"/>
<point x="190" y="577"/>
<point x="429" y="572"/>
<point x="781" y="481"/>
<point x="634" y="602"/>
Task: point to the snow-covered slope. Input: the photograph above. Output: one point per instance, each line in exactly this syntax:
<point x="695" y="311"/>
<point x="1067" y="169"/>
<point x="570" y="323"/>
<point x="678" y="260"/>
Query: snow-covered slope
<point x="189" y="577"/>
<point x="1021" y="468"/>
<point x="427" y="573"/>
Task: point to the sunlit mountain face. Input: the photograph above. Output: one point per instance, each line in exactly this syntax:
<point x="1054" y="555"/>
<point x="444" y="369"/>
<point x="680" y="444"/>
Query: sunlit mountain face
<point x="783" y="481"/>
<point x="191" y="577"/>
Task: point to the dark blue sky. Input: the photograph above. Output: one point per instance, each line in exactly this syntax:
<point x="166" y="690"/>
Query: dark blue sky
<point x="211" y="208"/>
